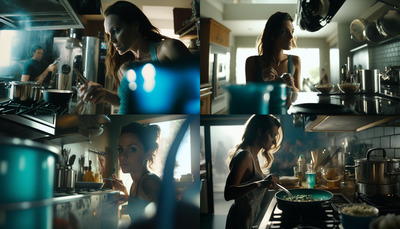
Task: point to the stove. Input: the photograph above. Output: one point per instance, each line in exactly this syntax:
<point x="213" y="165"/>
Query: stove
<point x="325" y="217"/>
<point x="385" y="203"/>
<point x="40" y="117"/>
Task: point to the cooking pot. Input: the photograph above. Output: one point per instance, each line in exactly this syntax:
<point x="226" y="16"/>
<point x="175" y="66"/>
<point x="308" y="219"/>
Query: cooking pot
<point x="377" y="176"/>
<point x="357" y="29"/>
<point x="24" y="92"/>
<point x="370" y="81"/>
<point x="372" y="33"/>
<point x="57" y="97"/>
<point x="65" y="178"/>
<point x="27" y="180"/>
<point x="288" y="205"/>
<point x="389" y="23"/>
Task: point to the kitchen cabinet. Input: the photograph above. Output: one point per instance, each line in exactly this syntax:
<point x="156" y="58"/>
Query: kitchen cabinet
<point x="212" y="32"/>
<point x="205" y="99"/>
<point x="184" y="24"/>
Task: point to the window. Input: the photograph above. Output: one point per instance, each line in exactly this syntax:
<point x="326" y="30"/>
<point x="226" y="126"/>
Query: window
<point x="241" y="56"/>
<point x="6" y="39"/>
<point x="310" y="66"/>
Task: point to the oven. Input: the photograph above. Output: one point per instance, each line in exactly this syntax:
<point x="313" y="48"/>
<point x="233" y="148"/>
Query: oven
<point x="219" y="68"/>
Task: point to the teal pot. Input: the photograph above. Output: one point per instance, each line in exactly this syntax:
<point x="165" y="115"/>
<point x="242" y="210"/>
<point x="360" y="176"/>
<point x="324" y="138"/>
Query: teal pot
<point x="252" y="98"/>
<point x="27" y="170"/>
<point x="357" y="215"/>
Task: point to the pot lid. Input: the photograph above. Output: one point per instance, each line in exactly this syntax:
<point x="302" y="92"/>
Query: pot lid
<point x="377" y="159"/>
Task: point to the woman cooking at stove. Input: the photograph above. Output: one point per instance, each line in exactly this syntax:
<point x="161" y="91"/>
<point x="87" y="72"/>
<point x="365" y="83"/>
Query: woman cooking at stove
<point x="131" y="38"/>
<point x="136" y="147"/>
<point x="246" y="182"/>
<point x="272" y="63"/>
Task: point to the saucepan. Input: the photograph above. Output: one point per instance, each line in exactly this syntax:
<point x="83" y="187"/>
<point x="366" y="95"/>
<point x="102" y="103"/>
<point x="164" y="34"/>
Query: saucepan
<point x="313" y="198"/>
<point x="24" y="92"/>
<point x="57" y="97"/>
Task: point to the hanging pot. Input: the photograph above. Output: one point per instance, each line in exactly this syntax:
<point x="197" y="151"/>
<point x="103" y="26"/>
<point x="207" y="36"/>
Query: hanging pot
<point x="357" y="29"/>
<point x="389" y="23"/>
<point x="372" y="33"/>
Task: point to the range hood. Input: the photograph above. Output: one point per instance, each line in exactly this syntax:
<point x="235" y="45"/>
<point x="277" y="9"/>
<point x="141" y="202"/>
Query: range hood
<point x="38" y="15"/>
<point x="344" y="123"/>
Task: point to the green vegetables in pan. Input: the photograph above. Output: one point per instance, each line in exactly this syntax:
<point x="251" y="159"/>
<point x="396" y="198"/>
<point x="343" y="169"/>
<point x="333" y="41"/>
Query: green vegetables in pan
<point x="300" y="198"/>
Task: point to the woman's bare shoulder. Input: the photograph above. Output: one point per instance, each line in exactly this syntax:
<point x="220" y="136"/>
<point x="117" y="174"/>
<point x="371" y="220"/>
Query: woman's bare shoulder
<point x="252" y="59"/>
<point x="296" y="59"/>
<point x="173" y="49"/>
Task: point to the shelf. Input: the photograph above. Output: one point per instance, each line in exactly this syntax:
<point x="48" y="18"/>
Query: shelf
<point x="188" y="31"/>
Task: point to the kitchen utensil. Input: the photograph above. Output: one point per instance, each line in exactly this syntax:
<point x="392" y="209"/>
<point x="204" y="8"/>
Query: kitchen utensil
<point x="70" y="179"/>
<point x="370" y="81"/>
<point x="24" y="92"/>
<point x="319" y="196"/>
<point x="71" y="160"/>
<point x="81" y="77"/>
<point x="285" y="190"/>
<point x="63" y="78"/>
<point x="357" y="29"/>
<point x="377" y="175"/>
<point x="57" y="97"/>
<point x="389" y="23"/>
<point x="372" y="34"/>
<point x="357" y="215"/>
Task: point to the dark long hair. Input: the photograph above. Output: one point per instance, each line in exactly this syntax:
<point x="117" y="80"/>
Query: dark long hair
<point x="128" y="13"/>
<point x="147" y="135"/>
<point x="266" y="46"/>
<point x="256" y="124"/>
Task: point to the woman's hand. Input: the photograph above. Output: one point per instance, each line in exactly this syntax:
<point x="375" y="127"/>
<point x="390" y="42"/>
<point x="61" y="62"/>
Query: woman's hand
<point x="118" y="184"/>
<point x="288" y="79"/>
<point x="268" y="182"/>
<point x="92" y="92"/>
<point x="269" y="74"/>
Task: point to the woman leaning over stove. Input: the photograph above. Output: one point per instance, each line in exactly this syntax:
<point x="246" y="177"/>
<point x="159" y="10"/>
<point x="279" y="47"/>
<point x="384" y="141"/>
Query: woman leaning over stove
<point x="246" y="182"/>
<point x="136" y="147"/>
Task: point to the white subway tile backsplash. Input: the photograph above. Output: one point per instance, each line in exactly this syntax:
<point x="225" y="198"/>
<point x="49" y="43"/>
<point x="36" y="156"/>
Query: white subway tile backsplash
<point x="379" y="131"/>
<point x="385" y="142"/>
<point x="395" y="141"/>
<point x="390" y="153"/>
<point x="389" y="131"/>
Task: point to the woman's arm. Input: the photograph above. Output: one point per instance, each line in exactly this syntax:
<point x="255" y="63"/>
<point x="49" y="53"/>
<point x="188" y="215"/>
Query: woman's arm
<point x="242" y="169"/>
<point x="297" y="71"/>
<point x="150" y="188"/>
<point x="250" y="69"/>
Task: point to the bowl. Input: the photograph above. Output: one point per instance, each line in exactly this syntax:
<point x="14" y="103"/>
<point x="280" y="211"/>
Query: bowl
<point x="357" y="215"/>
<point x="324" y="88"/>
<point x="348" y="88"/>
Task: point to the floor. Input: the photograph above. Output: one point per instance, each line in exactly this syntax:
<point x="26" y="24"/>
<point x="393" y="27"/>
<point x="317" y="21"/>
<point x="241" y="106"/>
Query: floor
<point x="218" y="219"/>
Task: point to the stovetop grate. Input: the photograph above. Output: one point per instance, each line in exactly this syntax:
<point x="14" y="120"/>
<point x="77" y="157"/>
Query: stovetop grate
<point x="41" y="108"/>
<point x="386" y="203"/>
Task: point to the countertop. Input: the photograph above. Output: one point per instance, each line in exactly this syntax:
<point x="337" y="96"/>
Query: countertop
<point x="61" y="197"/>
<point x="339" y="103"/>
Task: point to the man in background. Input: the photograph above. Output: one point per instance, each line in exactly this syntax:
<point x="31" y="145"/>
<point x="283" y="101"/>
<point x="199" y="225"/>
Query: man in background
<point x="35" y="69"/>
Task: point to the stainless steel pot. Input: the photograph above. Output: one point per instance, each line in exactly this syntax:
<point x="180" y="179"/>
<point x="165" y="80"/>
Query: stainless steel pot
<point x="24" y="92"/>
<point x="65" y="178"/>
<point x="377" y="176"/>
<point x="370" y="81"/>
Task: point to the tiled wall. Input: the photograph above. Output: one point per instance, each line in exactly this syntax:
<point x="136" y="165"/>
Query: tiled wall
<point x="385" y="54"/>
<point x="376" y="137"/>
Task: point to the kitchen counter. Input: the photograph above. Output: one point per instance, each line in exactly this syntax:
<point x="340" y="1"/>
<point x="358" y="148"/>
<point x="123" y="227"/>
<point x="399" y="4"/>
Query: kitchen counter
<point x="339" y="103"/>
<point x="97" y="209"/>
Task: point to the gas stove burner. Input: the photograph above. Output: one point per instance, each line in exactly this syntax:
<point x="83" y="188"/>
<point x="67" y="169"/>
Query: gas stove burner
<point x="385" y="203"/>
<point x="42" y="108"/>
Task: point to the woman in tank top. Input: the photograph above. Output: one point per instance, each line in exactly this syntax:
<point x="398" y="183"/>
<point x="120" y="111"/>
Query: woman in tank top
<point x="272" y="63"/>
<point x="246" y="182"/>
<point x="136" y="147"/>
<point x="130" y="37"/>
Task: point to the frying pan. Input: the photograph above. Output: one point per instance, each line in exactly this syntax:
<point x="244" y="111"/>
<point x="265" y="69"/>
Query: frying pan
<point x="357" y="29"/>
<point x="57" y="97"/>
<point x="286" y="205"/>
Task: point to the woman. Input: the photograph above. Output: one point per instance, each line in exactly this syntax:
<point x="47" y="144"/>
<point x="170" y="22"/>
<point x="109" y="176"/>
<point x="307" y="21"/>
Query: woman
<point x="136" y="147"/>
<point x="131" y="38"/>
<point x="272" y="63"/>
<point x="246" y="183"/>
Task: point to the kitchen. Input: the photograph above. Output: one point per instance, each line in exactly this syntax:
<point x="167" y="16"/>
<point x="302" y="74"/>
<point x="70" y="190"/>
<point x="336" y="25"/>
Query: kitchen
<point x="71" y="35"/>
<point x="58" y="157"/>
<point x="370" y="63"/>
<point x="83" y="158"/>
<point x="344" y="140"/>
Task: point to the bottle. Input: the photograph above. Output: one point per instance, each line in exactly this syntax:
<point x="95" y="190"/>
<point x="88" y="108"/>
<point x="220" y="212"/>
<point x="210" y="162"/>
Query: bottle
<point x="301" y="162"/>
